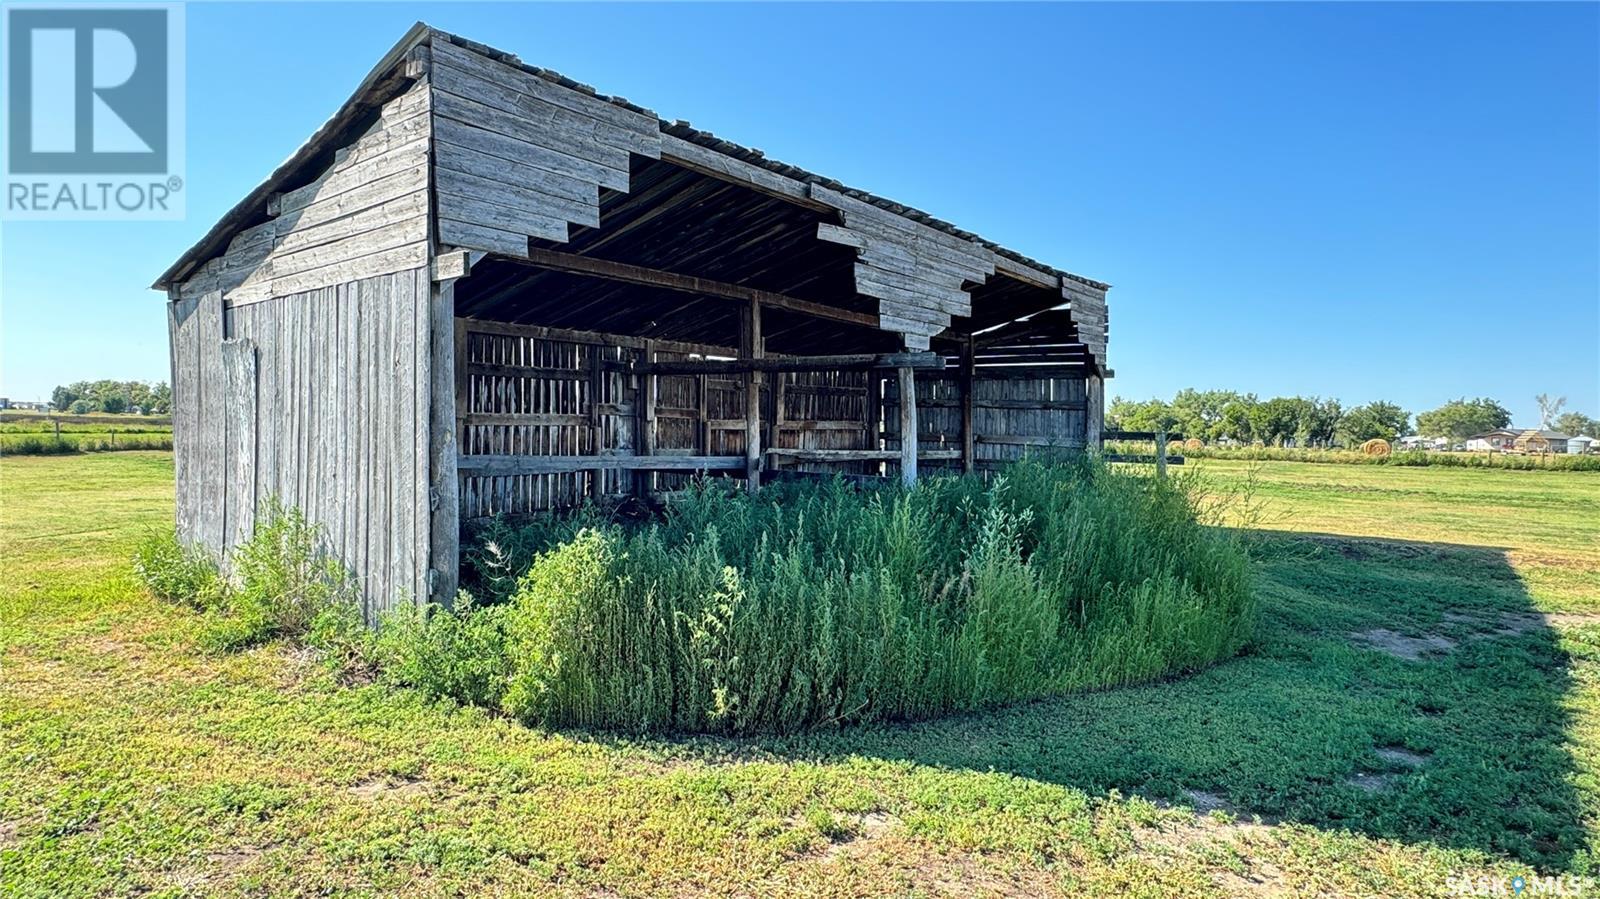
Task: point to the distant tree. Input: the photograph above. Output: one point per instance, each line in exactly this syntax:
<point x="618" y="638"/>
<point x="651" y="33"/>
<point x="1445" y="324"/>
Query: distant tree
<point x="63" y="397"/>
<point x="1135" y="415"/>
<point x="1377" y="420"/>
<point x="160" y="399"/>
<point x="1549" y="409"/>
<point x="138" y="393"/>
<point x="1461" y="418"/>
<point x="114" y="403"/>
<point x="1575" y="423"/>
<point x="1235" y="420"/>
<point x="81" y="407"/>
<point x="1277" y="420"/>
<point x="1319" y="420"/>
<point x="1198" y="413"/>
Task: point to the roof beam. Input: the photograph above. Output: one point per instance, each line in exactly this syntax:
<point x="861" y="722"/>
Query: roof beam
<point x="848" y="362"/>
<point x="573" y="263"/>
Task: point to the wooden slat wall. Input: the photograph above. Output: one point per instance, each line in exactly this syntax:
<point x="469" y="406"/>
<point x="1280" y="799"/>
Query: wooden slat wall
<point x="528" y="393"/>
<point x="520" y="156"/>
<point x="340" y="425"/>
<point x="1012" y="414"/>
<point x="825" y="410"/>
<point x="365" y="215"/>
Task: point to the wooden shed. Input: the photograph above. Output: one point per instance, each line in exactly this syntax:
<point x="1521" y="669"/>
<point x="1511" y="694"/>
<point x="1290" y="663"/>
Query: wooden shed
<point x="482" y="289"/>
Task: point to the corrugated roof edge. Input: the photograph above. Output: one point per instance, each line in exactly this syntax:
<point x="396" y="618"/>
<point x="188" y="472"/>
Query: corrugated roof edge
<point x="254" y="203"/>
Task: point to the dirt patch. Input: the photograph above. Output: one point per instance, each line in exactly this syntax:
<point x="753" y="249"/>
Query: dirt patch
<point x="1573" y="619"/>
<point x="378" y="788"/>
<point x="1204" y="803"/>
<point x="230" y="863"/>
<point x="867" y="828"/>
<point x="204" y="874"/>
<point x="1201" y="837"/>
<point x="1401" y="757"/>
<point x="1402" y="646"/>
<point x="8" y="833"/>
<point x="1373" y="783"/>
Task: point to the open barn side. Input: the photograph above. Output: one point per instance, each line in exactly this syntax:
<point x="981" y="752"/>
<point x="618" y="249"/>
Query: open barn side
<point x="483" y="289"/>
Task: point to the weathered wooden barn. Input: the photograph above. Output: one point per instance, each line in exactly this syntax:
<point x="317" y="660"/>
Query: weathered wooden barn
<point x="482" y="288"/>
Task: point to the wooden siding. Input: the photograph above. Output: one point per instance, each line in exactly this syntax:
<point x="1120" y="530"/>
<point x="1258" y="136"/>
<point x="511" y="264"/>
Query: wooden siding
<point x="520" y="156"/>
<point x="366" y="214"/>
<point x="547" y="418"/>
<point x="1087" y="306"/>
<point x="319" y="400"/>
<point x="917" y="273"/>
<point x="1011" y="416"/>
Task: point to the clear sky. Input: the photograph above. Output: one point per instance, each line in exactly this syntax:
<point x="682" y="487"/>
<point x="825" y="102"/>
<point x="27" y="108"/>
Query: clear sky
<point x="1369" y="201"/>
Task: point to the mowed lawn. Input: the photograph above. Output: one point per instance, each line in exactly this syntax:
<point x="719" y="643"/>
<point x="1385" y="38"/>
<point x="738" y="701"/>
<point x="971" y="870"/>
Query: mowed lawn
<point x="1410" y="711"/>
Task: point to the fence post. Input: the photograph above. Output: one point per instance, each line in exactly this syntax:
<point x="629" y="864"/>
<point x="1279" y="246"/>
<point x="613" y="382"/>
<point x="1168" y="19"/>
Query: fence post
<point x="57" y="423"/>
<point x="1161" y="453"/>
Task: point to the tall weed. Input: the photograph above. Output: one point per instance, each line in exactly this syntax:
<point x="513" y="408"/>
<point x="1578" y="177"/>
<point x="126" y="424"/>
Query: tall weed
<point x="813" y="605"/>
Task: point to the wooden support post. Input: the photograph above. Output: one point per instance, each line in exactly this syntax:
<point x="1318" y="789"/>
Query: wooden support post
<point x="968" y="438"/>
<point x="447" y="367"/>
<point x="750" y="348"/>
<point x="775" y="423"/>
<point x="645" y="427"/>
<point x="908" y="426"/>
<point x="1094" y="412"/>
<point x="597" y="480"/>
<point x="1161" y="453"/>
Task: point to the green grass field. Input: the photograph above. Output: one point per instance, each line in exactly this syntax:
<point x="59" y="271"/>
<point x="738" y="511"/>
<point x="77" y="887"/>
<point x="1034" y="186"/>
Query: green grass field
<point x="23" y="432"/>
<point x="1413" y="709"/>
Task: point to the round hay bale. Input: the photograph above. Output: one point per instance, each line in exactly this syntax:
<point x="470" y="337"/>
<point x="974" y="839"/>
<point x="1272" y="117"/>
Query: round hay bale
<point x="1194" y="444"/>
<point x="1377" y="446"/>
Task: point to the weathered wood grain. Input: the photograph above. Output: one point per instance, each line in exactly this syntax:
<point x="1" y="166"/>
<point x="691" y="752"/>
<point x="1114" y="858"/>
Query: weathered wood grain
<point x="239" y="371"/>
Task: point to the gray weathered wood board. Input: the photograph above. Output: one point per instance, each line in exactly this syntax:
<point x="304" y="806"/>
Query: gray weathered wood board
<point x="519" y="156"/>
<point x="917" y="273"/>
<point x="342" y="386"/>
<point x="365" y="215"/>
<point x="1086" y="304"/>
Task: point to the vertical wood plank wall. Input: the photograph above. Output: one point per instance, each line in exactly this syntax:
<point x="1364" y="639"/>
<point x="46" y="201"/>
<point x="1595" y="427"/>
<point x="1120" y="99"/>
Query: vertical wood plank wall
<point x="338" y="426"/>
<point x="527" y="393"/>
<point x="1011" y="416"/>
<point x="826" y="410"/>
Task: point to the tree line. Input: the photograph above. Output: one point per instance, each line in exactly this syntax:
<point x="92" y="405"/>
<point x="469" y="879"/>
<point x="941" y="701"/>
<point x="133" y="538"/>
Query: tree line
<point x="83" y="397"/>
<point x="1230" y="416"/>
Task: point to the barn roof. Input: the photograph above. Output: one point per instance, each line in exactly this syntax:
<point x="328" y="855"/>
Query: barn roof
<point x="377" y="86"/>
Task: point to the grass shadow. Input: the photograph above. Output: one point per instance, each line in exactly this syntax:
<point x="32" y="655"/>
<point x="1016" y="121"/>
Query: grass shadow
<point x="1401" y="690"/>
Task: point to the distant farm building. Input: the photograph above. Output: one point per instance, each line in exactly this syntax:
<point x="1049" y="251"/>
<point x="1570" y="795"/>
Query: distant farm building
<point x="1498" y="440"/>
<point x="483" y="289"/>
<point x="1536" y="441"/>
<point x="1417" y="441"/>
<point x="1578" y="444"/>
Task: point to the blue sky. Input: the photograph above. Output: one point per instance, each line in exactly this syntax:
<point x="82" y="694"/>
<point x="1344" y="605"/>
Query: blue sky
<point x="1369" y="201"/>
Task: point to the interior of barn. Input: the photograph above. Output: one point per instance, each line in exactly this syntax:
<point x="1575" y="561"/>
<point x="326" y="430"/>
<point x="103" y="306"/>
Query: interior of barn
<point x="702" y="326"/>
